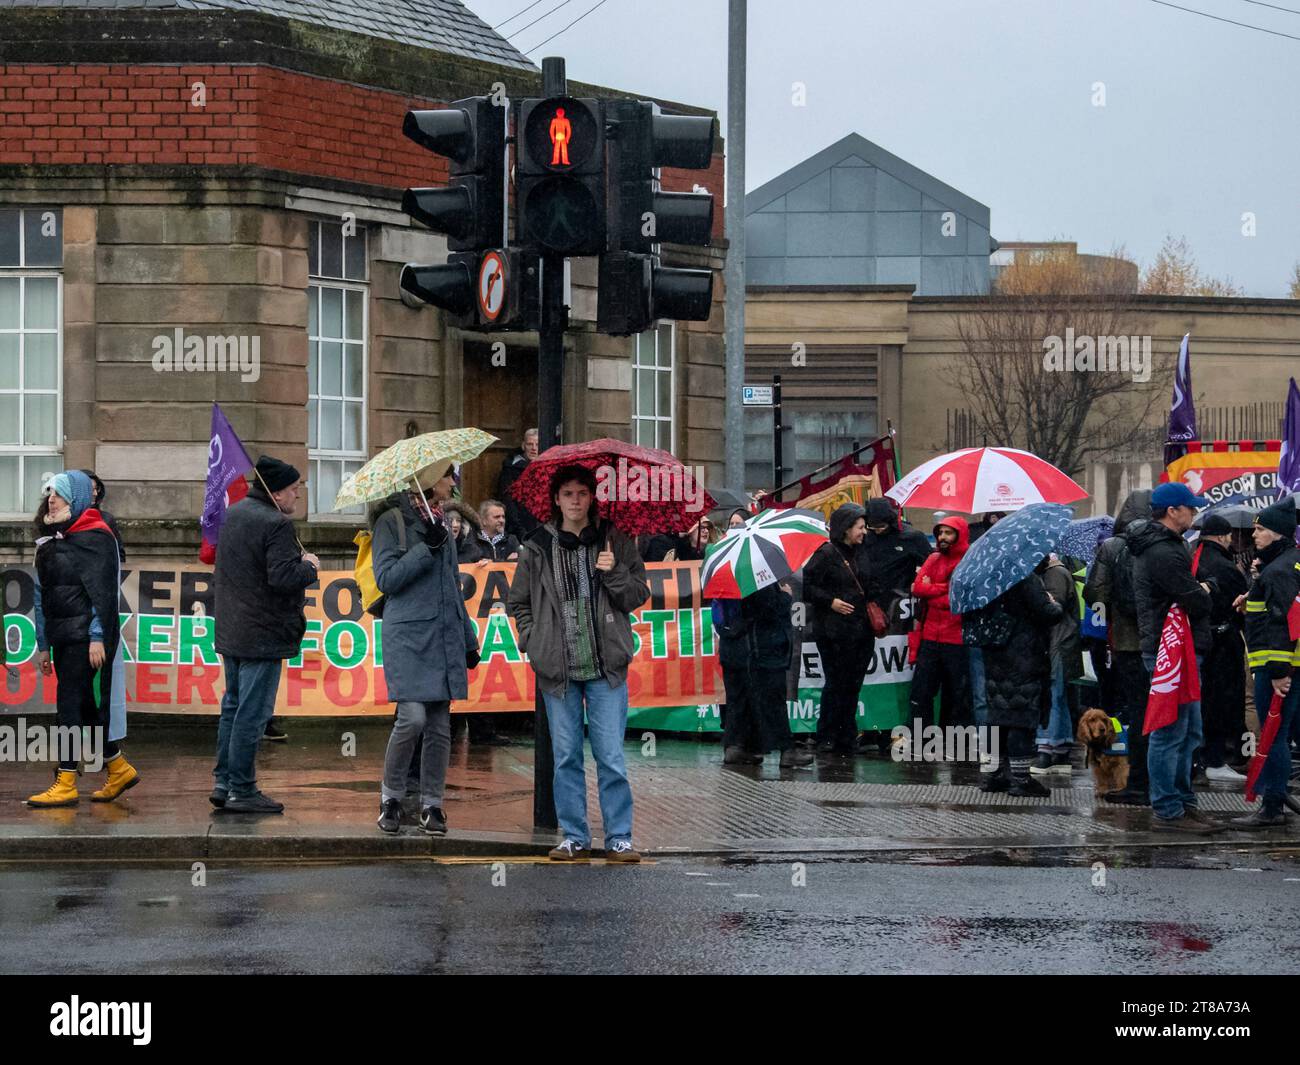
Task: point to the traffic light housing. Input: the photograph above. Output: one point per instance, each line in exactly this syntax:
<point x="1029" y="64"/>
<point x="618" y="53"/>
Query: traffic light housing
<point x="635" y="292"/>
<point x="642" y="139"/>
<point x="496" y="290"/>
<point x="470" y="210"/>
<point x="560" y="175"/>
<point x="449" y="286"/>
<point x="634" y="289"/>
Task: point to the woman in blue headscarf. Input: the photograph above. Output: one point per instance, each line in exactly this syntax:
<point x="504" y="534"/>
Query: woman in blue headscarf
<point x="77" y="629"/>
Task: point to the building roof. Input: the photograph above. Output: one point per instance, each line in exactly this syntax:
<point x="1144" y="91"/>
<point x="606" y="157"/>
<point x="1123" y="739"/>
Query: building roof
<point x="857" y="146"/>
<point x="441" y="25"/>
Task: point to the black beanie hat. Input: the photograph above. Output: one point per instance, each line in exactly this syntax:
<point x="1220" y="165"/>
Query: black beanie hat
<point x="1215" y="525"/>
<point x="1280" y="517"/>
<point x="275" y="474"/>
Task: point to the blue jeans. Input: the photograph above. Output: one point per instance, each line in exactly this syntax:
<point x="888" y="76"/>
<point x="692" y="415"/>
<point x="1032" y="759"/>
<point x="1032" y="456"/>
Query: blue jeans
<point x="979" y="700"/>
<point x="1058" y="737"/>
<point x="246" y="707"/>
<point x="1276" y="773"/>
<point x="1169" y="756"/>
<point x="607" y="721"/>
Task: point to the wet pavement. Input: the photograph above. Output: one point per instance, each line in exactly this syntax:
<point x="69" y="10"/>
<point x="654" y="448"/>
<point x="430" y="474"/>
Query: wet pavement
<point x="673" y="915"/>
<point x="327" y="774"/>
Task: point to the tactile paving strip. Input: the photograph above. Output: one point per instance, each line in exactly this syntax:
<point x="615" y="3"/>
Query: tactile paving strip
<point x="733" y="810"/>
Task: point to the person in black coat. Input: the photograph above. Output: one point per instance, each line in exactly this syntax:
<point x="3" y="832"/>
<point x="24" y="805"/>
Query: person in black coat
<point x="833" y="587"/>
<point x="78" y="630"/>
<point x="519" y="520"/>
<point x="1162" y="578"/>
<point x="1015" y="635"/>
<point x="892" y="552"/>
<point x="754" y="640"/>
<point x="1223" y="680"/>
<point x="259" y="582"/>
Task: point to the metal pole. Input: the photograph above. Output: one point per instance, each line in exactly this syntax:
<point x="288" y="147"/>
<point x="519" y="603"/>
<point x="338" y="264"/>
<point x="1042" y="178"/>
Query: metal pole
<point x="734" y="273"/>
<point x="778" y="458"/>
<point x="550" y="420"/>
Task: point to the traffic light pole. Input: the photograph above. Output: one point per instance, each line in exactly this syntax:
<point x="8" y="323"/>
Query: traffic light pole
<point x="550" y="418"/>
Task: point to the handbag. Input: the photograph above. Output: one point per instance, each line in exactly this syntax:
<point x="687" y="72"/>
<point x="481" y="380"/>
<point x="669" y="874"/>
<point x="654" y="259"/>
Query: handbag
<point x="876" y="620"/>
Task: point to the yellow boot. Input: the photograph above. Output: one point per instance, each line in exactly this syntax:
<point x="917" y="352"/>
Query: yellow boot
<point x="63" y="792"/>
<point x="121" y="775"/>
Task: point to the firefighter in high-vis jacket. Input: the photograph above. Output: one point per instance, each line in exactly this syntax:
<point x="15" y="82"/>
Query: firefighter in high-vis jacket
<point x="1273" y="644"/>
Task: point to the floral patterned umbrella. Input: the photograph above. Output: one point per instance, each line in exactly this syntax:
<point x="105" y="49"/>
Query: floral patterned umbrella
<point x="640" y="489"/>
<point x="395" y="467"/>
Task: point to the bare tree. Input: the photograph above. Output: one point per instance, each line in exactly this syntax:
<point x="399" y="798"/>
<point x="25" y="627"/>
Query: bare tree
<point x="1067" y="416"/>
<point x="1173" y="272"/>
<point x="1294" y="291"/>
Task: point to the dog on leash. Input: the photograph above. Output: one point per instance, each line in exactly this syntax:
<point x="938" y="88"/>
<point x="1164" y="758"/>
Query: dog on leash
<point x="1106" y="750"/>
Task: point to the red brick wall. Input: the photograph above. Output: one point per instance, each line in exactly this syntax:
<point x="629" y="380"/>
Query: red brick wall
<point x="254" y="116"/>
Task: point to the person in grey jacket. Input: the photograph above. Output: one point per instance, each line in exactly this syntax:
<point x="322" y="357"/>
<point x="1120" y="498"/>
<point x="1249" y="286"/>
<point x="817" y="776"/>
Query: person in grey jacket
<point x="259" y="583"/>
<point x="576" y="581"/>
<point x="428" y="642"/>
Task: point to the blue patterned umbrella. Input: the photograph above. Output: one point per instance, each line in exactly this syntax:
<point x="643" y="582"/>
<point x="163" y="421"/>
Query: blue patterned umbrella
<point x="1006" y="554"/>
<point x="1084" y="536"/>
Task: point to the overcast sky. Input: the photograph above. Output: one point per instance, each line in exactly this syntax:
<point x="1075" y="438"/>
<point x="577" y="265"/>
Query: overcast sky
<point x="996" y="98"/>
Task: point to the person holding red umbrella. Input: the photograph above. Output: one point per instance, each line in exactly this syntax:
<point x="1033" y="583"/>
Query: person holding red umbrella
<point x="575" y="584"/>
<point x="1273" y="652"/>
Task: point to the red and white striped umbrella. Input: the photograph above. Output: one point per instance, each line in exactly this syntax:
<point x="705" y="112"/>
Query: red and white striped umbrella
<point x="979" y="479"/>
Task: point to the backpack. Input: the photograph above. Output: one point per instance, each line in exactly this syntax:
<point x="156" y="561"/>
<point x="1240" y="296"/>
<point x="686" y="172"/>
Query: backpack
<point x="1123" y="590"/>
<point x="363" y="570"/>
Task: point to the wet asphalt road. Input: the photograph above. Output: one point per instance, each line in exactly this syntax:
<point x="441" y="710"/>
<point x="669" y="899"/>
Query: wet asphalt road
<point x="1232" y="914"/>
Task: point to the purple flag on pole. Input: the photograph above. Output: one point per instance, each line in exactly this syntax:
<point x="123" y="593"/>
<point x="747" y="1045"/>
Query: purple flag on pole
<point x="227" y="464"/>
<point x="1182" y="412"/>
<point x="1288" y="463"/>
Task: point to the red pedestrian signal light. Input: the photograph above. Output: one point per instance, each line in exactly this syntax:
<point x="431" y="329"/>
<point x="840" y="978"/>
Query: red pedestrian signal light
<point x="561" y="130"/>
<point x="560" y="171"/>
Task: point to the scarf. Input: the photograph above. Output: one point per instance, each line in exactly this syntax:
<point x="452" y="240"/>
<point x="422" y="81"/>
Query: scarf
<point x="575" y="579"/>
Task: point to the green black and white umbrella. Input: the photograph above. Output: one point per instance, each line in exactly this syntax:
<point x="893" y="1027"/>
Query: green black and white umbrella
<point x="767" y="548"/>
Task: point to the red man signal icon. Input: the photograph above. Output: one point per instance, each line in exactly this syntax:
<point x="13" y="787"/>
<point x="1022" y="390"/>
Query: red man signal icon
<point x="561" y="130"/>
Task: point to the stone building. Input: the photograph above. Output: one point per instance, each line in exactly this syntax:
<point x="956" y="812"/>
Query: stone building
<point x="225" y="178"/>
<point x="858" y="351"/>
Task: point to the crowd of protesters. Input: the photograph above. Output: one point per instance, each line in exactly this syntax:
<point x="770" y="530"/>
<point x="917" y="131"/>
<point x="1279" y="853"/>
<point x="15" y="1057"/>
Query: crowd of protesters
<point x="1015" y="665"/>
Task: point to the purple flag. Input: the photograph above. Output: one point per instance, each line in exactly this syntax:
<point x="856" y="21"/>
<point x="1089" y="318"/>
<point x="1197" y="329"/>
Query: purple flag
<point x="1288" y="463"/>
<point x="1182" y="412"/>
<point x="227" y="464"/>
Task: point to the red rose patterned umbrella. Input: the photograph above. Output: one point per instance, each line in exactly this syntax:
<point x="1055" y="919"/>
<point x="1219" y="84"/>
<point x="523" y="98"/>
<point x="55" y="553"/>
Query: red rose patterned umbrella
<point x="639" y="489"/>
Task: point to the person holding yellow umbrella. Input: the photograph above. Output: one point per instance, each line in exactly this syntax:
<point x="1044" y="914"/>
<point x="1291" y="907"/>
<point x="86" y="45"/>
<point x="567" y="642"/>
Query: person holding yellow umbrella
<point x="429" y="644"/>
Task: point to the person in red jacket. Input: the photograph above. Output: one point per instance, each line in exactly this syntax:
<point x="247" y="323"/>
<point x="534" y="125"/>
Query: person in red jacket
<point x="941" y="661"/>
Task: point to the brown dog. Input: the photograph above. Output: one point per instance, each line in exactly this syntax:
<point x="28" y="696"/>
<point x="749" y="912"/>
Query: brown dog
<point x="1097" y="734"/>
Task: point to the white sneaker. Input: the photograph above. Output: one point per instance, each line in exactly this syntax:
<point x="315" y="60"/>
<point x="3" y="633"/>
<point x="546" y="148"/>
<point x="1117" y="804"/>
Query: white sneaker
<point x="1224" y="774"/>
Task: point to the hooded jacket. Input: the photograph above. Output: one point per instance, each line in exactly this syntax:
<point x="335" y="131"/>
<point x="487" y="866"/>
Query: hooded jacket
<point x="890" y="559"/>
<point x="1162" y="577"/>
<point x="938" y="622"/>
<point x="834" y="572"/>
<point x="1113" y="552"/>
<point x="1269" y="640"/>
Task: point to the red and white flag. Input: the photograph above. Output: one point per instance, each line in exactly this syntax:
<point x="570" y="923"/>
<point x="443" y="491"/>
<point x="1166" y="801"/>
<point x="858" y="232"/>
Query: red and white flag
<point x="1175" y="680"/>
